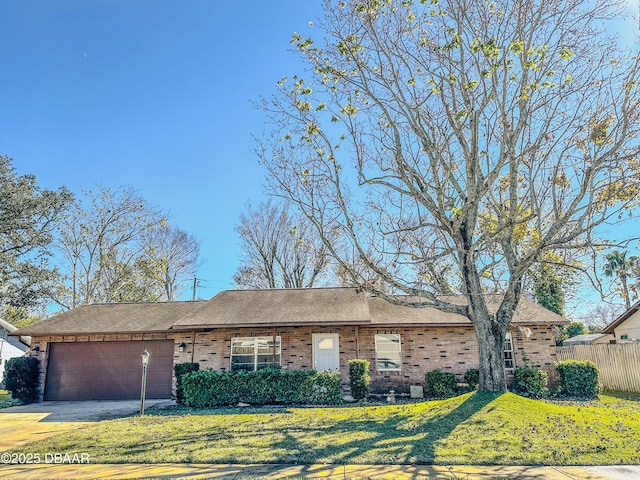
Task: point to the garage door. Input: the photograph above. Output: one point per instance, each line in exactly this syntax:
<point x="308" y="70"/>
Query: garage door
<point x="108" y="370"/>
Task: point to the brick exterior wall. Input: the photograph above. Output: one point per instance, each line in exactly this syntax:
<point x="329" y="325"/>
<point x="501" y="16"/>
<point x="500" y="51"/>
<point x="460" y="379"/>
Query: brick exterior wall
<point x="452" y="349"/>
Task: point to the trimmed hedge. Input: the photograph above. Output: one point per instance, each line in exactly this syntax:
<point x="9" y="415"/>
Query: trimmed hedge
<point x="21" y="378"/>
<point x="359" y="378"/>
<point x="439" y="384"/>
<point x="578" y="379"/>
<point x="530" y="382"/>
<point x="210" y="388"/>
<point x="179" y="370"/>
<point x="472" y="377"/>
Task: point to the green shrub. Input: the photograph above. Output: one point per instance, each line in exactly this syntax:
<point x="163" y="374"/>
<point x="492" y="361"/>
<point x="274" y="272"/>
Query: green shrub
<point x="472" y="377"/>
<point x="259" y="387"/>
<point x="181" y="369"/>
<point x="439" y="384"/>
<point x="530" y="382"/>
<point x="21" y="378"/>
<point x="209" y="388"/>
<point x="323" y="388"/>
<point x="578" y="379"/>
<point x="359" y="378"/>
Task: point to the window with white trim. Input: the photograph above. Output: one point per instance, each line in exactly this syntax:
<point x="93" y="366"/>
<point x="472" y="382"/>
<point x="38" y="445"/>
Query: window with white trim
<point x="508" y="352"/>
<point x="388" y="352"/>
<point x="253" y="353"/>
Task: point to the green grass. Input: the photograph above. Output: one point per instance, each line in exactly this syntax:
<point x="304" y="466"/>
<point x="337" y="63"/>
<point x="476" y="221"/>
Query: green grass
<point x="6" y="400"/>
<point x="469" y="429"/>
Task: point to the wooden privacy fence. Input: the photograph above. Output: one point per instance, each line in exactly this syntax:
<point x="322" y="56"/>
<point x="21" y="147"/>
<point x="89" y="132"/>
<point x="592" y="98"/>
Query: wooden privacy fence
<point x="618" y="363"/>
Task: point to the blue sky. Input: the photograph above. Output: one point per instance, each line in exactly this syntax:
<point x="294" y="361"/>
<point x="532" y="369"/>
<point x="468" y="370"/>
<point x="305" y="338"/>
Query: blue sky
<point x="155" y="94"/>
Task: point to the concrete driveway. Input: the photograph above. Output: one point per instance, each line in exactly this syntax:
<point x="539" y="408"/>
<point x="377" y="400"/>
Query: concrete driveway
<point x="26" y="423"/>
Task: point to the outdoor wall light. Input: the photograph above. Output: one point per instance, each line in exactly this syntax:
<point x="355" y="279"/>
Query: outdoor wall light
<point x="182" y="346"/>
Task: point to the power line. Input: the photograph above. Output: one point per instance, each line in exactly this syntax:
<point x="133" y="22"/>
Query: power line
<point x="196" y="284"/>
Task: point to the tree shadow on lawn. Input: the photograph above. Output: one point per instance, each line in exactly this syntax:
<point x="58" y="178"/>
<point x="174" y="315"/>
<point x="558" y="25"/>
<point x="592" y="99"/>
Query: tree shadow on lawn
<point x="402" y="436"/>
<point x="630" y="396"/>
<point x="399" y="439"/>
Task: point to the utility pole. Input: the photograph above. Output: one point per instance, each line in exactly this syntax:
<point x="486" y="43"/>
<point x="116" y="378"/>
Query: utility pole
<point x="196" y="284"/>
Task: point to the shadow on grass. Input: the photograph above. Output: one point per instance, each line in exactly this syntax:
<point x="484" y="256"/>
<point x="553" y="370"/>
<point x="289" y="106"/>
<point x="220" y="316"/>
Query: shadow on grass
<point x="631" y="396"/>
<point x="398" y="434"/>
<point x="397" y="439"/>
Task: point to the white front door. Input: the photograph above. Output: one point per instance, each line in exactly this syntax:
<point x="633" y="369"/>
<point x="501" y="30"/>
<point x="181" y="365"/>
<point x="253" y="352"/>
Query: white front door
<point x="326" y="351"/>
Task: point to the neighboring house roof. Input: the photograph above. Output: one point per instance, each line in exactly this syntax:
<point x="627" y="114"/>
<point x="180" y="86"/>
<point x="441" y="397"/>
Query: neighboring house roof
<point x="21" y="342"/>
<point x="266" y="308"/>
<point x="106" y="318"/>
<point x="586" y="339"/>
<point x="618" y="321"/>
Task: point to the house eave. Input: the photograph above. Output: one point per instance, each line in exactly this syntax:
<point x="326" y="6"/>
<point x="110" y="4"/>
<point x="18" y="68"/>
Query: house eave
<point x="94" y="333"/>
<point x="211" y="326"/>
<point x="621" y="319"/>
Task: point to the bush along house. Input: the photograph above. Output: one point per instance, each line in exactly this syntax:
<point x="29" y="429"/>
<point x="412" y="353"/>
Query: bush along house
<point x="93" y="351"/>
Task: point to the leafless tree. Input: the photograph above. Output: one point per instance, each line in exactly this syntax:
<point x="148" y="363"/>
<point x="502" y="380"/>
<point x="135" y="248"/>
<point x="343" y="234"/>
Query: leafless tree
<point x="279" y="250"/>
<point x="486" y="137"/>
<point x="115" y="247"/>
<point x="171" y="258"/>
<point x="601" y="315"/>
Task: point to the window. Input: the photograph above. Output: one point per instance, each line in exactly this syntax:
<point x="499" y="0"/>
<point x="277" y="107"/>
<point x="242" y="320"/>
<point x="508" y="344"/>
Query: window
<point x="253" y="353"/>
<point x="388" y="352"/>
<point x="508" y="352"/>
<point x="325" y="343"/>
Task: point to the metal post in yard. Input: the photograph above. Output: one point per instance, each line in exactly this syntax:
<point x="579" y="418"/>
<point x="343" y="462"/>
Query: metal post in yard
<point x="143" y="389"/>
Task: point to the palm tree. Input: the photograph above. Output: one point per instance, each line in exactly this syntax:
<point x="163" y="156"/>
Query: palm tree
<point x="620" y="266"/>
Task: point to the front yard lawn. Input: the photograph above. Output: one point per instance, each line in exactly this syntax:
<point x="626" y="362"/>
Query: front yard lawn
<point x="469" y="429"/>
<point x="6" y="400"/>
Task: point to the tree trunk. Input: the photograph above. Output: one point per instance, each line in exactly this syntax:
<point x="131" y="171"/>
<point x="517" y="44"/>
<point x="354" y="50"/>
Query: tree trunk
<point x="491" y="349"/>
<point x="625" y="289"/>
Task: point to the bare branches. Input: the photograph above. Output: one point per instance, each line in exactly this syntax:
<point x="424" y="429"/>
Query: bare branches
<point x="115" y="247"/>
<point x="280" y="250"/>
<point x="482" y="138"/>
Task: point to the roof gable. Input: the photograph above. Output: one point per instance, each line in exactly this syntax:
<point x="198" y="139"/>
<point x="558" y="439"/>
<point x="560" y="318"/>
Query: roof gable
<point x="622" y="318"/>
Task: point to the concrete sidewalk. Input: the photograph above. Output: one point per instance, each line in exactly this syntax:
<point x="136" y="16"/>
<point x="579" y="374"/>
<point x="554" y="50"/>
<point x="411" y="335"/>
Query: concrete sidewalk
<point x="35" y="421"/>
<point x="391" y="472"/>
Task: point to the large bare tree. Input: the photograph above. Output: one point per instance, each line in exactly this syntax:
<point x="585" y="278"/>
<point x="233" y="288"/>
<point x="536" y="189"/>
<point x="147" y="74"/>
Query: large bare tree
<point x="279" y="250"/>
<point x="116" y="247"/>
<point x="484" y="137"/>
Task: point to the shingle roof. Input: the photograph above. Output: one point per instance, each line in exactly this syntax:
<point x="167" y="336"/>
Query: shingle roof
<point x="280" y="307"/>
<point x="113" y="318"/>
<point x="264" y="308"/>
<point x="333" y="306"/>
<point x="585" y="339"/>
<point x="385" y="313"/>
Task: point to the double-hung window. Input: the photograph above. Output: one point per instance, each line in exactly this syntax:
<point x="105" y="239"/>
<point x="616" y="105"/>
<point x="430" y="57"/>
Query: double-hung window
<point x="508" y="352"/>
<point x="388" y="352"/>
<point x="254" y="353"/>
